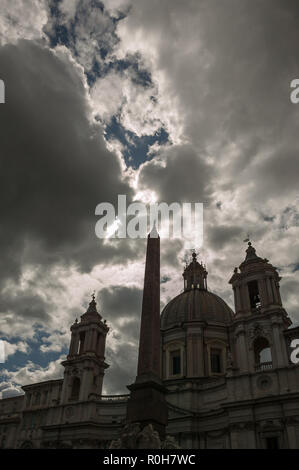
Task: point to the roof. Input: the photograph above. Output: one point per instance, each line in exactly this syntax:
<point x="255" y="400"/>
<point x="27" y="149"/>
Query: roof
<point x="196" y="305"/>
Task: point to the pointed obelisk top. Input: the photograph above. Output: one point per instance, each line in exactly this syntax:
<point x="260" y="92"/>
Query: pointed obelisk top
<point x="154" y="232"/>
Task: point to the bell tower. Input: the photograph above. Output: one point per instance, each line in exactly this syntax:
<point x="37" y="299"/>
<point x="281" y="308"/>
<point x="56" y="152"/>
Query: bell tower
<point x="256" y="285"/>
<point x="85" y="364"/>
<point x="260" y="318"/>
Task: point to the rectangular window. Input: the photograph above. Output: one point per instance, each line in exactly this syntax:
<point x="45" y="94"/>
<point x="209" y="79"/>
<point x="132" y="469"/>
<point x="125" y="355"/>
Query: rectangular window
<point x="28" y="402"/>
<point x="272" y="443"/>
<point x="175" y="362"/>
<point x="216" y="361"/>
<point x="81" y="342"/>
<point x="37" y="398"/>
<point x="45" y="398"/>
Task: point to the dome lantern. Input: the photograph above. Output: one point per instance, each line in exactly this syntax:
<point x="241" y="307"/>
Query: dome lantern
<point x="195" y="275"/>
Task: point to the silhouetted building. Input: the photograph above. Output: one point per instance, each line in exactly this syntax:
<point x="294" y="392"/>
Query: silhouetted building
<point x="226" y="376"/>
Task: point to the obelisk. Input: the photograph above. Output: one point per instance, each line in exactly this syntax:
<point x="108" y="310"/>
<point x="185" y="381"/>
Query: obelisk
<point x="147" y="404"/>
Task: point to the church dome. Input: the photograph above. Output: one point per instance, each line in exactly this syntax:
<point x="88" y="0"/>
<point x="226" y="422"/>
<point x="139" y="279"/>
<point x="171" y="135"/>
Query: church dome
<point x="196" y="305"/>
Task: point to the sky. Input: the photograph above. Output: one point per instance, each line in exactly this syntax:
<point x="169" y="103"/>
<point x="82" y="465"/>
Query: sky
<point x="173" y="101"/>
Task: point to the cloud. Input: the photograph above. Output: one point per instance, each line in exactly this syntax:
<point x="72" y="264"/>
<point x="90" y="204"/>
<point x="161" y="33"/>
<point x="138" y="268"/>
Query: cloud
<point x="85" y="27"/>
<point x="132" y="98"/>
<point x="115" y="7"/>
<point x="123" y="368"/>
<point x="29" y="374"/>
<point x="119" y="301"/>
<point x="179" y="175"/>
<point x="15" y="25"/>
<point x="11" y="348"/>
<point x="55" y="165"/>
<point x="237" y="127"/>
<point x="122" y="308"/>
<point x="228" y="92"/>
<point x="55" y="169"/>
<point x="222" y="235"/>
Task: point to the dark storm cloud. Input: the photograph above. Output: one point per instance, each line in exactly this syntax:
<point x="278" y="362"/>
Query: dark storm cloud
<point x="170" y="251"/>
<point x="121" y="306"/>
<point x="185" y="177"/>
<point x="247" y="88"/>
<point x="55" y="167"/>
<point x="233" y="87"/>
<point x="30" y="307"/>
<point x="290" y="287"/>
<point x="221" y="235"/>
<point x="123" y="367"/>
<point x="117" y="302"/>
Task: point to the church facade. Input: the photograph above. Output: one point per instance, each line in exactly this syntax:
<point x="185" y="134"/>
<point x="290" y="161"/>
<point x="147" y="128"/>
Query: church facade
<point x="226" y="376"/>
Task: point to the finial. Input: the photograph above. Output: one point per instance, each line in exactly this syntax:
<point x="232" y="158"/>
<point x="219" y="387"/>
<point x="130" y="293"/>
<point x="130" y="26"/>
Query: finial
<point x="92" y="308"/>
<point x="250" y="252"/>
<point x="92" y="305"/>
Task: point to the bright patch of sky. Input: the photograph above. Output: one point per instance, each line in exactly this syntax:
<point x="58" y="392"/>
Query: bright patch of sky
<point x="30" y="354"/>
<point x="92" y="44"/>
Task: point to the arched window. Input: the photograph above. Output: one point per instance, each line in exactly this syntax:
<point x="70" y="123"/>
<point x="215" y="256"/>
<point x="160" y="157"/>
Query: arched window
<point x="175" y="362"/>
<point x="27" y="445"/>
<point x="254" y="295"/>
<point x="216" y="360"/>
<point x="75" y="389"/>
<point x="262" y="354"/>
<point x="98" y="344"/>
<point x="81" y="342"/>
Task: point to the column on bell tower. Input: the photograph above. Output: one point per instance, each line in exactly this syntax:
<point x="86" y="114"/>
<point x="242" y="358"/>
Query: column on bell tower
<point x="85" y="363"/>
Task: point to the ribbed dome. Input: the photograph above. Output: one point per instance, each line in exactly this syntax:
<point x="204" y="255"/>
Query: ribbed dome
<point x="197" y="305"/>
